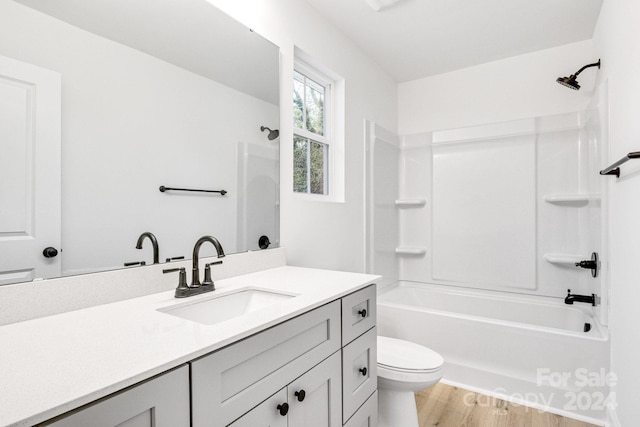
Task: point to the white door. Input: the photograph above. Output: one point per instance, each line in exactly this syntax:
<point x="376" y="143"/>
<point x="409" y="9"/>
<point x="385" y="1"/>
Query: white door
<point x="30" y="218"/>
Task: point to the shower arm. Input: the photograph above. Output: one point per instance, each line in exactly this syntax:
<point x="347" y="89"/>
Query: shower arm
<point x="595" y="64"/>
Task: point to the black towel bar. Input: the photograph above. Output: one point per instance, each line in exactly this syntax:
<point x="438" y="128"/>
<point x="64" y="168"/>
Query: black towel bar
<point x="163" y="189"/>
<point x="614" y="169"/>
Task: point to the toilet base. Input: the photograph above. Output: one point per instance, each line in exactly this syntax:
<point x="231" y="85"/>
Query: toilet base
<point x="397" y="409"/>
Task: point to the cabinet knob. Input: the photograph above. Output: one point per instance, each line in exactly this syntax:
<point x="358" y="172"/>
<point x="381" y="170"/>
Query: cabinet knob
<point x="363" y="313"/>
<point x="300" y="395"/>
<point x="284" y="409"/>
<point x="363" y="371"/>
<point x="50" y="252"/>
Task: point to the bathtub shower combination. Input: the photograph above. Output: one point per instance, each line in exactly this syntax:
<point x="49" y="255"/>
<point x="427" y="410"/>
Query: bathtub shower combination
<point x="477" y="233"/>
<point x="507" y="346"/>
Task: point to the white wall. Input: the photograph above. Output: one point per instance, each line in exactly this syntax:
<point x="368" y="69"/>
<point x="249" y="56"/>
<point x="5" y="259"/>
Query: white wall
<point x="324" y="235"/>
<point x="514" y="88"/>
<point x="131" y="123"/>
<point x="616" y="42"/>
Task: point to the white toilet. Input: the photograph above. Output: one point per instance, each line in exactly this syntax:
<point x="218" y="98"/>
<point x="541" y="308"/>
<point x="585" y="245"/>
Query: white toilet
<point x="403" y="368"/>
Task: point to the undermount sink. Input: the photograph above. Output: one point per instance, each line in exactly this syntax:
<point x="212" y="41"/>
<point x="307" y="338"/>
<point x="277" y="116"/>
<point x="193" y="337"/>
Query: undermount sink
<point x="220" y="308"/>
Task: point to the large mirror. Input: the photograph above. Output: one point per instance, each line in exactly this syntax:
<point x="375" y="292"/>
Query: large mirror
<point x="154" y="93"/>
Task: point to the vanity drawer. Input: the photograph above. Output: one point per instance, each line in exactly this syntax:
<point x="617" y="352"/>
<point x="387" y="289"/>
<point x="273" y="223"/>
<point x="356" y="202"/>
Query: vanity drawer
<point x="226" y="383"/>
<point x="359" y="372"/>
<point x="367" y="415"/>
<point x="358" y="313"/>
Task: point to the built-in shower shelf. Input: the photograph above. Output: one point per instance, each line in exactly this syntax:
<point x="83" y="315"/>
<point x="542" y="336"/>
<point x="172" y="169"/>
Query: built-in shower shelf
<point x="408" y="250"/>
<point x="570" y="198"/>
<point x="564" y="259"/>
<point x="411" y="202"/>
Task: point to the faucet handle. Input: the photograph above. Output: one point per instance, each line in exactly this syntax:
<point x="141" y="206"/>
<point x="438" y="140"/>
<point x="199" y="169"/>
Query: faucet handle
<point x="182" y="279"/>
<point x="207" y="274"/>
<point x="132" y="263"/>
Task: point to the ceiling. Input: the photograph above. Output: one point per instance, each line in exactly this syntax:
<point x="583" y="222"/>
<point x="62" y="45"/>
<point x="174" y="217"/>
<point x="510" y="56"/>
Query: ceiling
<point x="420" y="38"/>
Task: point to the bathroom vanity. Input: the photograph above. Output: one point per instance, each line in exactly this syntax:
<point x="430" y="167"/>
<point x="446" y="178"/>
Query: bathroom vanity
<point x="299" y="350"/>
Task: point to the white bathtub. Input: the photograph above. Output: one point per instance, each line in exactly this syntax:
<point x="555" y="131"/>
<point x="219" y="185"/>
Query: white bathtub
<point x="507" y="345"/>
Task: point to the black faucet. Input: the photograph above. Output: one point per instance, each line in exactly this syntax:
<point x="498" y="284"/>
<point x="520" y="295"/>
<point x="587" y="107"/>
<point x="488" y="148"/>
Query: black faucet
<point x="154" y="243"/>
<point x="589" y="299"/>
<point x="195" y="275"/>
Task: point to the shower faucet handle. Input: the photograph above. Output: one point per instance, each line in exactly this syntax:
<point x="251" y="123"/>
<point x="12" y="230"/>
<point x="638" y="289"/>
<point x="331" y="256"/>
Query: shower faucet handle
<point x="590" y="264"/>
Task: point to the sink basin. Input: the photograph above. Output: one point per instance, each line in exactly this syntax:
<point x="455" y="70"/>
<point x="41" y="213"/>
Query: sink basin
<point x="228" y="306"/>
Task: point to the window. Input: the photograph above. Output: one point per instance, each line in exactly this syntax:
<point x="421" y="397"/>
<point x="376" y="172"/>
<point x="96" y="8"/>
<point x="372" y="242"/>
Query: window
<point x="311" y="139"/>
<point x="318" y="131"/>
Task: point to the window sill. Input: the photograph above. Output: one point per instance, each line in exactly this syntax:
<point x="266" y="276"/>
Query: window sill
<point x="326" y="198"/>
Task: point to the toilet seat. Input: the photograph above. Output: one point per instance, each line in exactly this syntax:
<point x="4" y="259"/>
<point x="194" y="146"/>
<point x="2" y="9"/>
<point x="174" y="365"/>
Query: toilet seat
<point x="407" y="357"/>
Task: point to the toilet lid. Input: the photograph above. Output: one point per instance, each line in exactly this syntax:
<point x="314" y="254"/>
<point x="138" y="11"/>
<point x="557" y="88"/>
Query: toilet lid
<point x="405" y="355"/>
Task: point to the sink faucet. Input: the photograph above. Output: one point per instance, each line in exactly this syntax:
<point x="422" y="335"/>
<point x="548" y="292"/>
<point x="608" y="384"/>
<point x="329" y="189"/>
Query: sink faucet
<point x="571" y="298"/>
<point x="154" y="243"/>
<point x="195" y="279"/>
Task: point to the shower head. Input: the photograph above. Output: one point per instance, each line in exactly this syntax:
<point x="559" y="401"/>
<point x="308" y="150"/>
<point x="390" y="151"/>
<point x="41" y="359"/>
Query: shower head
<point x="273" y="134"/>
<point x="571" y="82"/>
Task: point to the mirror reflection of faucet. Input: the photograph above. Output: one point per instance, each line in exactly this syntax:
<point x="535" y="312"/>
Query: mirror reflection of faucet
<point x="133" y="263"/>
<point x="154" y="243"/>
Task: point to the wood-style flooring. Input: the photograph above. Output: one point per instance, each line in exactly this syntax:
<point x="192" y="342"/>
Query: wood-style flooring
<point x="446" y="406"/>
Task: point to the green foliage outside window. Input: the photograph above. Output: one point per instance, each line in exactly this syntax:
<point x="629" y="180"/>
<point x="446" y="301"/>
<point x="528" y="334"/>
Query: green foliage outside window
<point x="309" y="156"/>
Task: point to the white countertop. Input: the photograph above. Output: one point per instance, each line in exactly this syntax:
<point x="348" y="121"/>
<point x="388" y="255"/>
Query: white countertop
<point x="54" y="364"/>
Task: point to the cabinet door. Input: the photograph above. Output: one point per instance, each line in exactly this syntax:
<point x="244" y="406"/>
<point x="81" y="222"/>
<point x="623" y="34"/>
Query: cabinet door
<point x="321" y="405"/>
<point x="359" y="372"/>
<point x="267" y="414"/>
<point x="160" y="402"/>
<point x="367" y="415"/>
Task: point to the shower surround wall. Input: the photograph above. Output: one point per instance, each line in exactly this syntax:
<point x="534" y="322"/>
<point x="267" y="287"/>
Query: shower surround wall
<point x="509" y="206"/>
<point x="491" y="219"/>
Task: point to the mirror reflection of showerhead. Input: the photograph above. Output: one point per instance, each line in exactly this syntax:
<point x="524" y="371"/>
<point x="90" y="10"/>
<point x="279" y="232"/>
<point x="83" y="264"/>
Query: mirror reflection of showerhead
<point x="571" y="82"/>
<point x="273" y="134"/>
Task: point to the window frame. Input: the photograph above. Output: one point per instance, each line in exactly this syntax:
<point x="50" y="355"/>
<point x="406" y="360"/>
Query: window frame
<point x="326" y="139"/>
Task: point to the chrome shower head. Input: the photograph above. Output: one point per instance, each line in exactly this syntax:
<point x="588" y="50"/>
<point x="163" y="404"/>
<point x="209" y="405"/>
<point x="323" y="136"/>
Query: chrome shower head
<point x="571" y="82"/>
<point x="273" y="134"/>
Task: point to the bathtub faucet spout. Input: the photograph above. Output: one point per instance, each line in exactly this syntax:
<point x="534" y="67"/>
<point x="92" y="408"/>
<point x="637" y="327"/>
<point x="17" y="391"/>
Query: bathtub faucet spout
<point x="571" y="298"/>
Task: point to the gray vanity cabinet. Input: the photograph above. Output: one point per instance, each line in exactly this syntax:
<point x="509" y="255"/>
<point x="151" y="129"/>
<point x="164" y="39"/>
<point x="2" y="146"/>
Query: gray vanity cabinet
<point x="315" y="370"/>
<point x="359" y="358"/>
<point x="313" y="400"/>
<point x="229" y="382"/>
<point x="162" y="401"/>
<point x="329" y="354"/>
